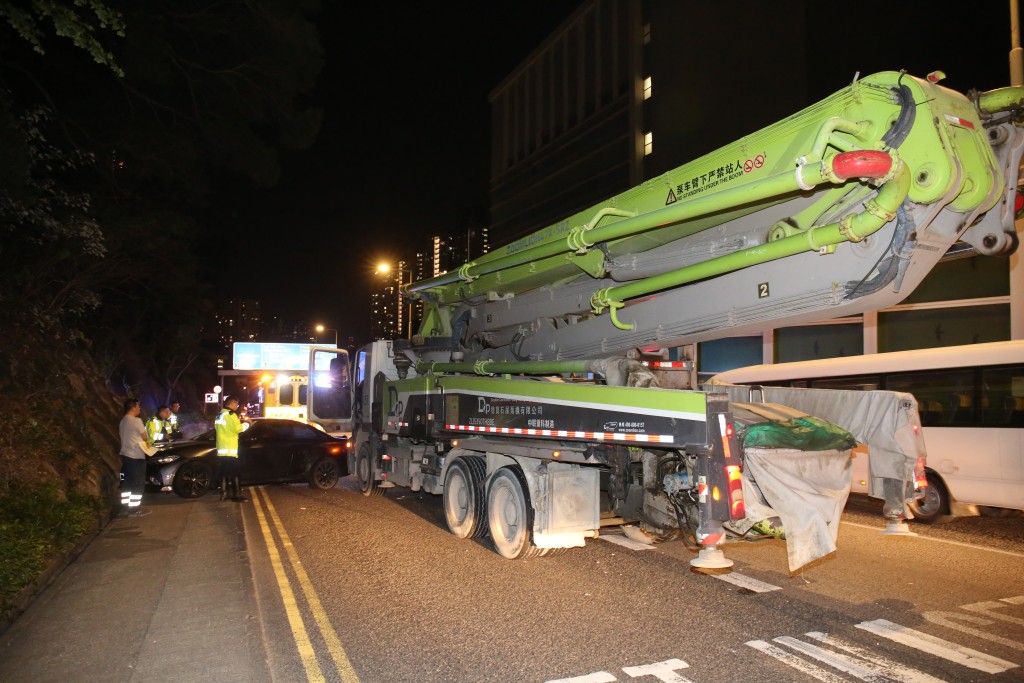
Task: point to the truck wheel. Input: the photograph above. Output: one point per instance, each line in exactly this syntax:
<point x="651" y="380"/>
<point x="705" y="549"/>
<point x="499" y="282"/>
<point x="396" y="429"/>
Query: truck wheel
<point x="935" y="502"/>
<point x="509" y="514"/>
<point x="465" y="504"/>
<point x="364" y="473"/>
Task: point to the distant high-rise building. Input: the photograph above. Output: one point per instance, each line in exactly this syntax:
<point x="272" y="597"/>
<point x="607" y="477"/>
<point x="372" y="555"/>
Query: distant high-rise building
<point x="384" y="311"/>
<point x="237" y="320"/>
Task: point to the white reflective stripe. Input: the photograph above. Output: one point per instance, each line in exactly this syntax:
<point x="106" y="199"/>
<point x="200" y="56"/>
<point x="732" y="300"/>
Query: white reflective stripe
<point x="227" y="451"/>
<point x="937" y="646"/>
<point x="125" y="497"/>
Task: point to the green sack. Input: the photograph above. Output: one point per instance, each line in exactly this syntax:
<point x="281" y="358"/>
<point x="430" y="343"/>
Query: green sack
<point x="801" y="433"/>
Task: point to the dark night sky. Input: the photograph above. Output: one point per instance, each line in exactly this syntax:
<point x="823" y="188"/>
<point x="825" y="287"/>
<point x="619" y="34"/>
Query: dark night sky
<point x="404" y="148"/>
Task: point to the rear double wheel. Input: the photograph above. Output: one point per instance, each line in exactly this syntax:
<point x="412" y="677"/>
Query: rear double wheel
<point x="364" y="472"/>
<point x="465" y="500"/>
<point x="510" y="515"/>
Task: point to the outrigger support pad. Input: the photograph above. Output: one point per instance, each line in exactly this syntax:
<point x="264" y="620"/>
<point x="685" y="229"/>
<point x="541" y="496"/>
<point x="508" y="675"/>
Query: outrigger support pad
<point x="897" y="527"/>
<point x="711" y="557"/>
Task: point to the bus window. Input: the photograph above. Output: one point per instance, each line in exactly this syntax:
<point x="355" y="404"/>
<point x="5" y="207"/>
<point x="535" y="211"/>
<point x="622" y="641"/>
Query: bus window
<point x="285" y="394"/>
<point x="864" y="383"/>
<point x="944" y="397"/>
<point x="1002" y="397"/>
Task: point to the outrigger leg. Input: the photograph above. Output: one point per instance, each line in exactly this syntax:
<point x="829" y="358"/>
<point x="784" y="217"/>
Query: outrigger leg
<point x="710" y="555"/>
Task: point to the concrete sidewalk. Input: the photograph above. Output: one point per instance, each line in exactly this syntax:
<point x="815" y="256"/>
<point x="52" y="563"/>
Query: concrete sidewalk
<point x="164" y="597"/>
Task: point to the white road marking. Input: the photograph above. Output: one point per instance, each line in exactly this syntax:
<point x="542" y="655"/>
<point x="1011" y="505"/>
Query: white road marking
<point x="882" y="665"/>
<point x="792" y="660"/>
<point x="948" y="619"/>
<point x="1015" y="600"/>
<point x="937" y="646"/>
<point x="942" y="540"/>
<point x="987" y="607"/>
<point x="596" y="677"/>
<point x="625" y="542"/>
<point x="747" y="582"/>
<point x="833" y="659"/>
<point x="663" y="671"/>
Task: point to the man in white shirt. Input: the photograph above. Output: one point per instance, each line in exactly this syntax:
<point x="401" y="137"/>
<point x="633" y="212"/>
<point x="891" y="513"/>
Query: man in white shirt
<point x="134" y="441"/>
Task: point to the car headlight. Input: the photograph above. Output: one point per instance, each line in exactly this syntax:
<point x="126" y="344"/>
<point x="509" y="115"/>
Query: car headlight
<point x="165" y="459"/>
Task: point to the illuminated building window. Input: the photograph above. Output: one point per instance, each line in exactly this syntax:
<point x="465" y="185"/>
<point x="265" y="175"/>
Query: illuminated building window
<point x="647" y="33"/>
<point x="647" y="88"/>
<point x="648" y="143"/>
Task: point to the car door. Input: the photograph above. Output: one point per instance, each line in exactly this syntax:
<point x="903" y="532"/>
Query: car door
<point x="265" y="452"/>
<point x="307" y="448"/>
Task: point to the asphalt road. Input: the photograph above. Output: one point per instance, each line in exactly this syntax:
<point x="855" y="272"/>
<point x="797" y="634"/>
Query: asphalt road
<point x="376" y="589"/>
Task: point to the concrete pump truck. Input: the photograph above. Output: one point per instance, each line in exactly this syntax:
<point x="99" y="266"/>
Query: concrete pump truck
<point x="524" y="401"/>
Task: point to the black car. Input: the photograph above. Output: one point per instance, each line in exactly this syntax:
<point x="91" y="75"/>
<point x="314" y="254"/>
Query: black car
<point x="270" y="450"/>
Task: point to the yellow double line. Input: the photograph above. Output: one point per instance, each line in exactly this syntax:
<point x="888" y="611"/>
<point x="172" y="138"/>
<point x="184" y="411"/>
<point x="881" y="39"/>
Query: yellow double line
<point x="306" y="651"/>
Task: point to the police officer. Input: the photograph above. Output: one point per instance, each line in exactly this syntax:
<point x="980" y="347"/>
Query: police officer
<point x="156" y="426"/>
<point x="173" y="424"/>
<point x="228" y="427"/>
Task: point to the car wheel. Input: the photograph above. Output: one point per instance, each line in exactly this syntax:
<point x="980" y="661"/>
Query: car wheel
<point x="324" y="474"/>
<point x="510" y="515"/>
<point x="465" y="505"/>
<point x="192" y="480"/>
<point x="935" y="502"/>
<point x="364" y="473"/>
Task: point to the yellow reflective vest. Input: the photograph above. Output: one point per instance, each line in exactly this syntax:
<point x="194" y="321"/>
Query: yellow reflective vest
<point x="228" y="427"/>
<point x="155" y="430"/>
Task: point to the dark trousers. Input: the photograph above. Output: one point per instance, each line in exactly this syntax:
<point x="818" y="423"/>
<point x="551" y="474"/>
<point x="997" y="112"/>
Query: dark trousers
<point x="133" y="481"/>
<point x="229" y="467"/>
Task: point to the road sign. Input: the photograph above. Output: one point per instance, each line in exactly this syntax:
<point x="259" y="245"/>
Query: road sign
<point x="211" y="398"/>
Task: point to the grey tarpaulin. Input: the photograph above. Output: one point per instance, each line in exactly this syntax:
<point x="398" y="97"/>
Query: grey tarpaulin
<point x="886" y="421"/>
<point x="807" y="490"/>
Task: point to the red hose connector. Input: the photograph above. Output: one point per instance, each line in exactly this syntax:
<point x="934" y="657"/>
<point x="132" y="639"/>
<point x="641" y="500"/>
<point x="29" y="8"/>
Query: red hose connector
<point x="861" y="164"/>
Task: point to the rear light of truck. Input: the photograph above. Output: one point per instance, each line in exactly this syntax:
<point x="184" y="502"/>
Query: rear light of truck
<point x="920" y="478"/>
<point x="737" y="509"/>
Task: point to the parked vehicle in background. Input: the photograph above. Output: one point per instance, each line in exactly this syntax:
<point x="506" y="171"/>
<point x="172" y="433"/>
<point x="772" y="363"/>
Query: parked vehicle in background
<point x="270" y="451"/>
<point x="971" y="402"/>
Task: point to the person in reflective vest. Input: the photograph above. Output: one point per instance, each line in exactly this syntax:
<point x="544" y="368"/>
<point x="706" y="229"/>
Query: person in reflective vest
<point x="173" y="424"/>
<point x="156" y="426"/>
<point x="227" y="427"/>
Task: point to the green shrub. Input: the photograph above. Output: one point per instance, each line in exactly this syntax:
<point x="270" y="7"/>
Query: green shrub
<point x="36" y="525"/>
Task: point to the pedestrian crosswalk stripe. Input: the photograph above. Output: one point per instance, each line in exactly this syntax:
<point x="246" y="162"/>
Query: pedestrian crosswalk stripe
<point x="874" y="661"/>
<point x="812" y="670"/>
<point x="937" y="646"/>
<point x="842" y="662"/>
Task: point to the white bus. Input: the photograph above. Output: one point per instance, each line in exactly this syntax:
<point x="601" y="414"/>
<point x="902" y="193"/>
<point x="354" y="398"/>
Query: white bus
<point x="971" y="401"/>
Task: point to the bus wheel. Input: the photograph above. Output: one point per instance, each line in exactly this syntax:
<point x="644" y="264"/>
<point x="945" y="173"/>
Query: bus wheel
<point x="509" y="514"/>
<point x="465" y="505"/>
<point x="364" y="473"/>
<point x="935" y="502"/>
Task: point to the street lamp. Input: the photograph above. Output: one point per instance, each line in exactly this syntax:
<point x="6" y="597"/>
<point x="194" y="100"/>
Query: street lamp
<point x="321" y="328"/>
